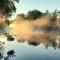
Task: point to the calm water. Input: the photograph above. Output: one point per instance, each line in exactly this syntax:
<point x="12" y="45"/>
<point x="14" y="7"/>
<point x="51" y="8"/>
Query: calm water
<point x="24" y="51"/>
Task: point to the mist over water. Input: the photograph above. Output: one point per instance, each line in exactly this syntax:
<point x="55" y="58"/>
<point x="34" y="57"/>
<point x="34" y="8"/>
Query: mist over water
<point x="32" y="31"/>
<point x="25" y="28"/>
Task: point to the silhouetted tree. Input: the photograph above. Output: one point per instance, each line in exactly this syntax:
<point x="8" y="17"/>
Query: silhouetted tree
<point x="7" y="7"/>
<point x="1" y="50"/>
<point x="34" y="14"/>
<point x="54" y="15"/>
<point x="9" y="55"/>
<point x="47" y="12"/>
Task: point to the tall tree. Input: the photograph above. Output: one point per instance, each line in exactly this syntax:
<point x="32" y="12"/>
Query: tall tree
<point x="7" y="8"/>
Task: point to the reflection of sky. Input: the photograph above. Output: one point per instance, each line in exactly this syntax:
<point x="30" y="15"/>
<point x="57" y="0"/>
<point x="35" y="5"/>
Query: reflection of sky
<point x="27" y="52"/>
<point x="26" y="5"/>
<point x="23" y="51"/>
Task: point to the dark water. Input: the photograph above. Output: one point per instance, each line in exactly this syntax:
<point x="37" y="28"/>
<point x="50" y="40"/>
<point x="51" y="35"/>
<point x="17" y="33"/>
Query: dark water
<point x="24" y="51"/>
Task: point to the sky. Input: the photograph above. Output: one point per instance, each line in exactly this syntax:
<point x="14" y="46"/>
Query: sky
<point x="25" y="5"/>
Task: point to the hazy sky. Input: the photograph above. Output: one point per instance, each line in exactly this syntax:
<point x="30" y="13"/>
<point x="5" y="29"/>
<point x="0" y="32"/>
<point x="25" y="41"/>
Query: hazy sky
<point x="42" y="5"/>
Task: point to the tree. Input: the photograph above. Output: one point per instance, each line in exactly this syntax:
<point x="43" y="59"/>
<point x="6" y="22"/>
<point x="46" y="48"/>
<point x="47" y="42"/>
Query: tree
<point x="55" y="14"/>
<point x="9" y="55"/>
<point x="34" y="14"/>
<point x="52" y="24"/>
<point x="7" y="8"/>
<point x="54" y="17"/>
<point x="47" y="12"/>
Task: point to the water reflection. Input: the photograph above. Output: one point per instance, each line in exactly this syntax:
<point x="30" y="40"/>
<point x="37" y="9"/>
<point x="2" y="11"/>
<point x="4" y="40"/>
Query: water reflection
<point x="9" y="37"/>
<point x="1" y="50"/>
<point x="10" y="53"/>
<point x="47" y="41"/>
<point x="32" y="50"/>
<point x="51" y="39"/>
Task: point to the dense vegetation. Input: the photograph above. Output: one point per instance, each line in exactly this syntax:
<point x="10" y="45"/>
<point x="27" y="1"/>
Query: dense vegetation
<point x="8" y="7"/>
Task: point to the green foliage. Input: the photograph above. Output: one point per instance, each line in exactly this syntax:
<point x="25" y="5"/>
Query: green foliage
<point x="8" y="6"/>
<point x="47" y="12"/>
<point x="34" y="14"/>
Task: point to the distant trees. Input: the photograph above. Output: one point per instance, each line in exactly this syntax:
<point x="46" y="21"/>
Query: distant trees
<point x="55" y="14"/>
<point x="53" y="19"/>
<point x="19" y="16"/>
<point x="31" y="15"/>
<point x="47" y="12"/>
<point x="34" y="14"/>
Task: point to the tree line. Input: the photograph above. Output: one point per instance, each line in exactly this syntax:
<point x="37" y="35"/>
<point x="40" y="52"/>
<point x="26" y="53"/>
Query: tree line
<point x="34" y="14"/>
<point x="7" y="8"/>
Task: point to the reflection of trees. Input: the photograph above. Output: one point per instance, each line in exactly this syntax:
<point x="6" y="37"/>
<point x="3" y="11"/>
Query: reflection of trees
<point x="10" y="53"/>
<point x="48" y="40"/>
<point x="53" y="44"/>
<point x="9" y="37"/>
<point x="33" y="43"/>
<point x="1" y="50"/>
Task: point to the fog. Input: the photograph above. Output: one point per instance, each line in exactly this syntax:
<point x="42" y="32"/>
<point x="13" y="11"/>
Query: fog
<point x="32" y="31"/>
